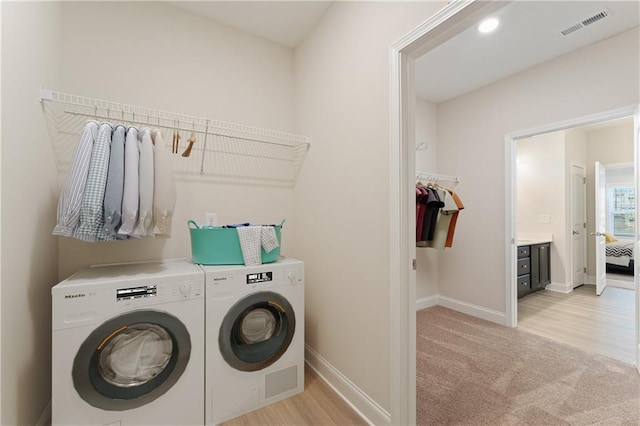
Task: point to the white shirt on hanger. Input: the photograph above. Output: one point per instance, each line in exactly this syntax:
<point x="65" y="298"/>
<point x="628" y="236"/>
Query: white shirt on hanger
<point x="131" y="194"/>
<point x="145" y="214"/>
<point x="164" y="187"/>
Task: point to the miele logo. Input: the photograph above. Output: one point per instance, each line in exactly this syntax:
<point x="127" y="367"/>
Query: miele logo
<point x="74" y="296"/>
<point x="219" y="278"/>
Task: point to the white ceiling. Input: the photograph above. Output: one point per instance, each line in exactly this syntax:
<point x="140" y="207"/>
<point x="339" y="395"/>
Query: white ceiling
<point x="282" y="22"/>
<point x="529" y="34"/>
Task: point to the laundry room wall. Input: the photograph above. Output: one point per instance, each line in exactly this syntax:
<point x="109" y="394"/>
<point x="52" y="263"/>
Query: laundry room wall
<point x="609" y="145"/>
<point x="342" y="198"/>
<point x="31" y="47"/>
<point x="596" y="78"/>
<point x="156" y="55"/>
<point x="426" y="161"/>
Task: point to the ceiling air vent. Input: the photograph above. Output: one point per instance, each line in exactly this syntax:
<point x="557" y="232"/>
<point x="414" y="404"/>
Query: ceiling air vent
<point x="584" y="22"/>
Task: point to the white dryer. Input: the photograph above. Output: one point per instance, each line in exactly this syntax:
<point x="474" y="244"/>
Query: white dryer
<point x="255" y="336"/>
<point x="128" y="345"/>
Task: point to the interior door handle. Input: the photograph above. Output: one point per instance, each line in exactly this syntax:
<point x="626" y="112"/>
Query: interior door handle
<point x="576" y="233"/>
<point x="597" y="234"/>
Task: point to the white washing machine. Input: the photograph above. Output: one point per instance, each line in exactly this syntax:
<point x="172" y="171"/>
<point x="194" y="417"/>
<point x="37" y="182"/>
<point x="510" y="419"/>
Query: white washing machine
<point x="255" y="336"/>
<point x="128" y="345"/>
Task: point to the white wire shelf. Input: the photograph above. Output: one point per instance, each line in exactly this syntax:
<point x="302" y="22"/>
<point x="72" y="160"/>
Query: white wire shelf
<point x="223" y="152"/>
<point x="452" y="181"/>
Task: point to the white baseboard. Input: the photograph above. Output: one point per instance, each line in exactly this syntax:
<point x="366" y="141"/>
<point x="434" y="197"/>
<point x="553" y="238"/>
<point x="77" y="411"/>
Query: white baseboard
<point x="45" y="417"/>
<point x="427" y="302"/>
<point x="362" y="403"/>
<point x="560" y="288"/>
<point x="473" y="310"/>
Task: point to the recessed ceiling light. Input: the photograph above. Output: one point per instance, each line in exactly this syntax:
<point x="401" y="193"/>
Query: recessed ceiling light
<point x="488" y="25"/>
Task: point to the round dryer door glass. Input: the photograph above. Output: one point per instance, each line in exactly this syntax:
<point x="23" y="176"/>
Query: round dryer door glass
<point x="130" y="360"/>
<point x="257" y="331"/>
<point x="257" y="326"/>
<point x="136" y="355"/>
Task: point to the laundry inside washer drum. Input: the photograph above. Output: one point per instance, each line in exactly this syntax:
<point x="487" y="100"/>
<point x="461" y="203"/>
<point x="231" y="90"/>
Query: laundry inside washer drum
<point x="136" y="355"/>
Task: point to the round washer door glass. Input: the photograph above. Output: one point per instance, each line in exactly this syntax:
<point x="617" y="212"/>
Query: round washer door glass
<point x="131" y="360"/>
<point x="257" y="331"/>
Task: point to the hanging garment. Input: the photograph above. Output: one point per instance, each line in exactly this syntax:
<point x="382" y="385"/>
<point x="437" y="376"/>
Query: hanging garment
<point x="91" y="214"/>
<point x="131" y="194"/>
<point x="164" y="188"/>
<point x="454" y="219"/>
<point x="433" y="205"/>
<point x="421" y="208"/>
<point x="70" y="200"/>
<point x="443" y="219"/>
<point x="145" y="212"/>
<point x="115" y="183"/>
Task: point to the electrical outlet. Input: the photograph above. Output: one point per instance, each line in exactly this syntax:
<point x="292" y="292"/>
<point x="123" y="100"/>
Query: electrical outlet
<point x="544" y="218"/>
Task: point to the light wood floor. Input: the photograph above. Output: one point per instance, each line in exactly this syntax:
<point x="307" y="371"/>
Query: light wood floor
<point x="317" y="405"/>
<point x="601" y="324"/>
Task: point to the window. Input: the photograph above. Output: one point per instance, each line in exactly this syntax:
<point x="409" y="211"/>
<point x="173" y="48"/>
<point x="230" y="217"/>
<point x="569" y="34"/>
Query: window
<point x="621" y="201"/>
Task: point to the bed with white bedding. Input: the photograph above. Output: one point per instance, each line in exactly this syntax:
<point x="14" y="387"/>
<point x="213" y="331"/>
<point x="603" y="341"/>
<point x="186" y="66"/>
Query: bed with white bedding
<point x="619" y="256"/>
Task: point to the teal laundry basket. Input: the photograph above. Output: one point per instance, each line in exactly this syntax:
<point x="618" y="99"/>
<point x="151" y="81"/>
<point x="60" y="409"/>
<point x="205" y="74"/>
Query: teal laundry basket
<point x="221" y="246"/>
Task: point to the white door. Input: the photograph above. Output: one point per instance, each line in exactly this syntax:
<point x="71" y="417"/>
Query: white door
<point x="601" y="227"/>
<point x="578" y="224"/>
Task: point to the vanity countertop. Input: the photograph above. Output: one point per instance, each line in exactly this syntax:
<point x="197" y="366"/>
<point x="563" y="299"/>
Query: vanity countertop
<point x="531" y="239"/>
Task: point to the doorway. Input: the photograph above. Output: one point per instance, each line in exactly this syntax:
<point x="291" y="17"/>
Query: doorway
<point x="554" y="197"/>
<point x="459" y="16"/>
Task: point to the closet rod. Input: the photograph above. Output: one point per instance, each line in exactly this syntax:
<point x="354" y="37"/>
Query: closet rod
<point x="169" y="120"/>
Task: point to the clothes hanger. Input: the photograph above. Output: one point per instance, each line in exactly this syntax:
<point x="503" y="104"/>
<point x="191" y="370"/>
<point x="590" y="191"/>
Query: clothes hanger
<point x="191" y="141"/>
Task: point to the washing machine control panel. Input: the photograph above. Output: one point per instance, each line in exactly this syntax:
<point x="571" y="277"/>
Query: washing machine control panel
<point x="138" y="292"/>
<point x="152" y="293"/>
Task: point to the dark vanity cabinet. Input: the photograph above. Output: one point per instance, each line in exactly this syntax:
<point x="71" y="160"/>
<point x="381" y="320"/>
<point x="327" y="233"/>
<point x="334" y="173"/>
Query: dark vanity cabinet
<point x="533" y="268"/>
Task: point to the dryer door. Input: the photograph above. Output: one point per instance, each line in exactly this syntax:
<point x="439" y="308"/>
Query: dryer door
<point x="257" y="331"/>
<point x="132" y="359"/>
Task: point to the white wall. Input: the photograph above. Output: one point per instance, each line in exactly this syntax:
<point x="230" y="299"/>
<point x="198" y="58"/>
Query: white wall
<point x="541" y="191"/>
<point x="155" y="55"/>
<point x="426" y="161"/>
<point x="342" y="198"/>
<point x="31" y="43"/>
<point x="600" y="77"/>
<point x="609" y="145"/>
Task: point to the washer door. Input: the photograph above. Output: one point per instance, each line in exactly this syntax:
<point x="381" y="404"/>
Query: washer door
<point x="130" y="360"/>
<point x="256" y="331"/>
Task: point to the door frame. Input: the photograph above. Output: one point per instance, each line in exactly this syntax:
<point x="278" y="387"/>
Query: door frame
<point x="511" y="308"/>
<point x="447" y="23"/>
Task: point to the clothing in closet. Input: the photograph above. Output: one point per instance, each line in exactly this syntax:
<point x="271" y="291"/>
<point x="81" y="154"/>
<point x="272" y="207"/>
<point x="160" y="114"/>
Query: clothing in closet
<point x="91" y="212"/>
<point x="145" y="215"/>
<point x="454" y="219"/>
<point x="164" y="188"/>
<point x="131" y="192"/>
<point x="70" y="201"/>
<point x="116" y="181"/>
<point x="437" y="211"/>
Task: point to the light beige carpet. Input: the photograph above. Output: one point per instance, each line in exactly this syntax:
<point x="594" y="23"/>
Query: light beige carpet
<point x="473" y="372"/>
